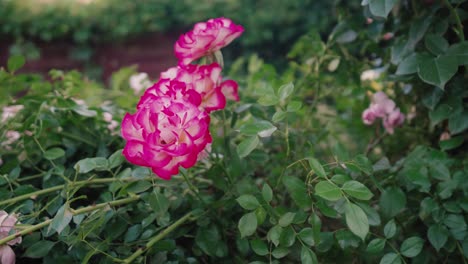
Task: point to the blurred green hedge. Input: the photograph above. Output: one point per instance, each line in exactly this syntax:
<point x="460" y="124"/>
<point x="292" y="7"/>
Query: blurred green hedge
<point x="270" y="24"/>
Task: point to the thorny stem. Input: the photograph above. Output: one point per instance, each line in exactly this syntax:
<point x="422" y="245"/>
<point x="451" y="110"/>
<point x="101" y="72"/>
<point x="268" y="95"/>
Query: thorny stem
<point x="59" y="187"/>
<point x="74" y="212"/>
<point x="158" y="237"/>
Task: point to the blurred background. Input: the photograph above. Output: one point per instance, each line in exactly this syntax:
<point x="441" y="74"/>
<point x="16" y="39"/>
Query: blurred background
<point x="99" y="37"/>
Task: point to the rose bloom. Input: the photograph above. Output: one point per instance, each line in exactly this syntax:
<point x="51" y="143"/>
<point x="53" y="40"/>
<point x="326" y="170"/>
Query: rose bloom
<point x="7" y="223"/>
<point x="394" y="119"/>
<point x="139" y="82"/>
<point x="205" y="38"/>
<point x="10" y="111"/>
<point x="165" y="133"/>
<point x="203" y="86"/>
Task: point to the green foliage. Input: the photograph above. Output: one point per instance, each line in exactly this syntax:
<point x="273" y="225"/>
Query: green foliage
<point x="293" y="175"/>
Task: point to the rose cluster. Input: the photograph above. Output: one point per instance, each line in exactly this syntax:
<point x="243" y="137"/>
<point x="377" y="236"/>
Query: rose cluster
<point x="170" y="127"/>
<point x="385" y="108"/>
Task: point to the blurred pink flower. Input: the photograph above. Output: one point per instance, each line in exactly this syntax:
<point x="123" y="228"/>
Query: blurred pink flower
<point x="11" y="137"/>
<point x="7" y="224"/>
<point x="368" y="116"/>
<point x="383" y="107"/>
<point x="205" y="38"/>
<point x="203" y="86"/>
<point x="139" y="82"/>
<point x="394" y="119"/>
<point x="10" y="111"/>
<point x="165" y="133"/>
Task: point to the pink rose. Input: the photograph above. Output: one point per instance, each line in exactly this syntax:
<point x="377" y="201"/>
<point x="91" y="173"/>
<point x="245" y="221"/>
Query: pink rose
<point x="394" y="119"/>
<point x="7" y="224"/>
<point x="204" y="80"/>
<point x="165" y="133"/>
<point x="383" y="107"/>
<point x="368" y="116"/>
<point x="205" y="38"/>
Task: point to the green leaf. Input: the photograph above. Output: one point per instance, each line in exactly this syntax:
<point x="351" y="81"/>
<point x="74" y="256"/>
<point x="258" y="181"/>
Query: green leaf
<point x="247" y="145"/>
<point x="267" y="193"/>
<point x="356" y="220"/>
<point x="439" y="171"/>
<point x="280" y="252"/>
<point x="89" y="164"/>
<point x="381" y="8"/>
<point x="437" y="70"/>
<point x="372" y="215"/>
<point x="274" y="234"/>
<point x="294" y="106"/>
<point x="438" y="236"/>
<point x="460" y="52"/>
<point x="357" y="190"/>
<point x="247" y="224"/>
<point x="288" y="237"/>
<point x="116" y="159"/>
<point x="285" y="91"/>
<point x="390" y="258"/>
<point x="308" y="256"/>
<point x="328" y="191"/>
<point x="158" y="202"/>
<point x="340" y="178"/>
<point x="412" y="246"/>
<point x="259" y="247"/>
<point x="208" y="239"/>
<point x="317" y="167"/>
<point x="436" y="44"/>
<point x="286" y="219"/>
<point x="376" y="246"/>
<point x="61" y="219"/>
<point x="261" y="215"/>
<point x="278" y="116"/>
<point x="248" y="202"/>
<point x="363" y="163"/>
<point x="316" y="224"/>
<point x="458" y="122"/>
<point x="262" y="128"/>
<point x="139" y="186"/>
<point x="307" y="236"/>
<point x="390" y="229"/>
<point x="54" y="153"/>
<point x="268" y="100"/>
<point x="298" y="191"/>
<point x="15" y="62"/>
<point x="392" y="201"/>
<point x="132" y="233"/>
<point x="440" y="113"/>
<point x="39" y="249"/>
<point x="408" y="65"/>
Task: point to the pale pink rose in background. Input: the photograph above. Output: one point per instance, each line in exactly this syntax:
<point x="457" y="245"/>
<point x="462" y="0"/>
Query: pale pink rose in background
<point x="394" y="119"/>
<point x="139" y="82"/>
<point x="383" y="107"/>
<point x="388" y="36"/>
<point x="445" y="136"/>
<point x="368" y="117"/>
<point x="107" y="116"/>
<point x="164" y="134"/>
<point x="204" y="80"/>
<point x="10" y="111"/>
<point x="205" y="38"/>
<point x="11" y="137"/>
<point x="7" y="224"/>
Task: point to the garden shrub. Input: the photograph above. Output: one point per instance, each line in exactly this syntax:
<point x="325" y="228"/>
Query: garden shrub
<point x="296" y="172"/>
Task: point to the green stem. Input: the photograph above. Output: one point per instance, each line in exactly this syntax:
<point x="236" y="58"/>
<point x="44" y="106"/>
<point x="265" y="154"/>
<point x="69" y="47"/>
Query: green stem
<point x="74" y="212"/>
<point x="59" y="187"/>
<point x="453" y="12"/>
<point x="158" y="237"/>
<point x="77" y="138"/>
